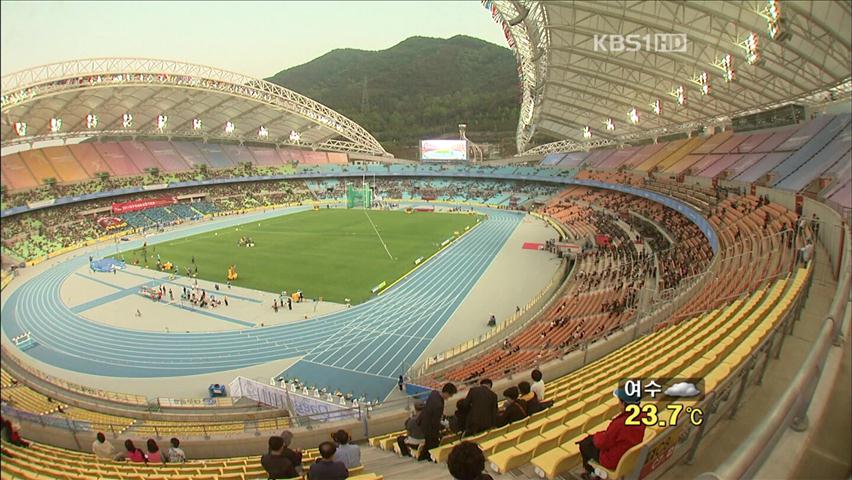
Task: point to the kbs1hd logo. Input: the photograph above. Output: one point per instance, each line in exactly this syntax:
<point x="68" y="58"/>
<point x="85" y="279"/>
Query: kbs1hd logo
<point x="658" y="42"/>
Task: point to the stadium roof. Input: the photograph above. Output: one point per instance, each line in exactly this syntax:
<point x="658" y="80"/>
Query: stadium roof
<point x="799" y="52"/>
<point x="111" y="88"/>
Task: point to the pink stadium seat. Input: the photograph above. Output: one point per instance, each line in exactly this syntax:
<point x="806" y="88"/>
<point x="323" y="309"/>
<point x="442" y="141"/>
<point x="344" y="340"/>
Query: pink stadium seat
<point x="731" y="144"/>
<point x="747" y="161"/>
<point x="295" y="155"/>
<point x="314" y="158"/>
<point x="598" y="156"/>
<point x="117" y="159"/>
<point x="239" y="154"/>
<point x="752" y="142"/>
<point x="90" y="159"/>
<point x="165" y="154"/>
<point x="265" y="157"/>
<point x="713" y="141"/>
<point x="618" y="158"/>
<point x="140" y="156"/>
<point x="190" y="153"/>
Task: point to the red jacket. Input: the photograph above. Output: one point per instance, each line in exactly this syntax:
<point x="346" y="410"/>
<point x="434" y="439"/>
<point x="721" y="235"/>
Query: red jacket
<point x="617" y="439"/>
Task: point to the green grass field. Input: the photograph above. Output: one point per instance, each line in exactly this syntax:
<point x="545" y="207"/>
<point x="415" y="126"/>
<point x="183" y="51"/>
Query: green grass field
<point x="329" y="253"/>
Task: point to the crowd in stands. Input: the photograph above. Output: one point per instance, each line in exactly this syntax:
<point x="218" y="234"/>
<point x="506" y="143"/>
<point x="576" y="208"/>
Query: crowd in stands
<point x="40" y="232"/>
<point x="430" y="435"/>
<point x="11" y="199"/>
<point x="604" y="291"/>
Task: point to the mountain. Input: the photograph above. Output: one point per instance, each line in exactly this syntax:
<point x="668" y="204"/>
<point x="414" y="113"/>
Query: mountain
<point x="420" y="88"/>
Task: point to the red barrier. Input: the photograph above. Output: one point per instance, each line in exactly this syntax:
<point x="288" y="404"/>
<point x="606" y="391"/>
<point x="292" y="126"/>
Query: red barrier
<point x="143" y="204"/>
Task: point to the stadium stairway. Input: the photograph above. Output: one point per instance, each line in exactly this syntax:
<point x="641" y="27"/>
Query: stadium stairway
<point x="727" y="436"/>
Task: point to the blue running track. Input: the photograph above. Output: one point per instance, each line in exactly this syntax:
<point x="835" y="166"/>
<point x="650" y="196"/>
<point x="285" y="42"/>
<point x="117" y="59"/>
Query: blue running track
<point x="362" y="349"/>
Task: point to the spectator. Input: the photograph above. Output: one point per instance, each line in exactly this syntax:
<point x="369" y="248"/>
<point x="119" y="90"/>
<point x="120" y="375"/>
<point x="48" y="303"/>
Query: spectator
<point x="295" y="456"/>
<point x="326" y="468"/>
<point x="482" y="404"/>
<point x="529" y="398"/>
<point x="466" y="462"/>
<point x="514" y="408"/>
<point x="154" y="455"/>
<point x="430" y="418"/>
<point x="538" y="384"/>
<point x="132" y="453"/>
<point x="347" y="453"/>
<point x="175" y="453"/>
<point x="608" y="446"/>
<point x="414" y="434"/>
<point x="275" y="463"/>
<point x="12" y="434"/>
<point x="101" y="447"/>
<point x="806" y="253"/>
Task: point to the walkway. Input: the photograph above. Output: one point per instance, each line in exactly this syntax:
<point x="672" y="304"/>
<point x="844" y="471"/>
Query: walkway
<point x="724" y="439"/>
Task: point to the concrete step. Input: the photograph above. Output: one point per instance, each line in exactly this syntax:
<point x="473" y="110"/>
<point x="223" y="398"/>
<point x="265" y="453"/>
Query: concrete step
<point x="394" y="467"/>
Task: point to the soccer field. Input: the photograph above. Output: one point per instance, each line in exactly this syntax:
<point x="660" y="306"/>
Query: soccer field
<point x="329" y="253"/>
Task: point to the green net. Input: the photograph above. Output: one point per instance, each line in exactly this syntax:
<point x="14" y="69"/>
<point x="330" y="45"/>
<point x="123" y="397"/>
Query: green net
<point x="359" y="196"/>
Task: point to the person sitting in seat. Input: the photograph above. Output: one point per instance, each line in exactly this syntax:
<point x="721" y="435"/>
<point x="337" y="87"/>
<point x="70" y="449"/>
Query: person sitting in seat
<point x="608" y="446"/>
<point x="132" y="453"/>
<point x="275" y="463"/>
<point x="466" y="462"/>
<point x="12" y="434"/>
<point x="295" y="456"/>
<point x="101" y="447"/>
<point x="347" y="453"/>
<point x="154" y="455"/>
<point x="414" y="434"/>
<point x="514" y="409"/>
<point x="529" y="397"/>
<point x="538" y="388"/>
<point x="326" y="468"/>
<point x="175" y="453"/>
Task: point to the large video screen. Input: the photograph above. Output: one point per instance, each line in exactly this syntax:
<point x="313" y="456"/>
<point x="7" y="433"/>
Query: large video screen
<point x="443" y="150"/>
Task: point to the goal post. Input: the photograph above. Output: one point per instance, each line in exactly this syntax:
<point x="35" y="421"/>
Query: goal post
<point x="359" y="197"/>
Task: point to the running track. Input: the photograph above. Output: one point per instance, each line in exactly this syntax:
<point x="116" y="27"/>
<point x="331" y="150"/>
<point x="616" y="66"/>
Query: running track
<point x="362" y="349"/>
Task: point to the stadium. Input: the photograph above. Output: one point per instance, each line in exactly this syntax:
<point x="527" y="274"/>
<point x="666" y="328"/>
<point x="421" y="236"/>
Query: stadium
<point x="660" y="289"/>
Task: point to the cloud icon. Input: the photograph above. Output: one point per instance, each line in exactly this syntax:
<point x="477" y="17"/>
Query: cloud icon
<point x="682" y="389"/>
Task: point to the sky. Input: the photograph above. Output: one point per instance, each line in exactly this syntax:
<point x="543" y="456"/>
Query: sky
<point x="252" y="38"/>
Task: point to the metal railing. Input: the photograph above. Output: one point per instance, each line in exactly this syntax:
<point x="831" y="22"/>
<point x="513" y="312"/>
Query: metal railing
<point x="463" y="351"/>
<point x="792" y="409"/>
<point x="683" y="440"/>
<point x="187" y="428"/>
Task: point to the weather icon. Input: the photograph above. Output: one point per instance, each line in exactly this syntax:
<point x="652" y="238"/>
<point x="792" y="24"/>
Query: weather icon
<point x="682" y="389"/>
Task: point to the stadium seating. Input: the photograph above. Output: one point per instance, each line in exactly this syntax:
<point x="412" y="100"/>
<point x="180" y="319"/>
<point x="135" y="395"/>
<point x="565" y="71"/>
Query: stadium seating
<point x="41" y="461"/>
<point x="711" y="346"/>
<point x="16" y="175"/>
<point x="24" y="398"/>
<point x="66" y="166"/>
<point x="600" y="296"/>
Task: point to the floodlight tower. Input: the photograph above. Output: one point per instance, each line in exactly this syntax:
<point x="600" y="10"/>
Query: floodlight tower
<point x="474" y="148"/>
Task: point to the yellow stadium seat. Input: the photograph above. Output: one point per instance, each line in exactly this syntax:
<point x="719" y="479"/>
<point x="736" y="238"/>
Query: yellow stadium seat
<point x="627" y="461"/>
